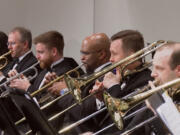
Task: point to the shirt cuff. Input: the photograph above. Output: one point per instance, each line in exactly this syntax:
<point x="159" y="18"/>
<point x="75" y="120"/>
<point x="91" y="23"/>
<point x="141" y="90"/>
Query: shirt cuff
<point x="63" y="91"/>
<point x="99" y="104"/>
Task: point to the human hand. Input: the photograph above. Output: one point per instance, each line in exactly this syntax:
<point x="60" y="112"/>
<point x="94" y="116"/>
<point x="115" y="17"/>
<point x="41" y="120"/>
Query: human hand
<point x="57" y="87"/>
<point x="12" y="73"/>
<point x="111" y="79"/>
<point x="21" y="83"/>
<point x="98" y="89"/>
<point x="49" y="77"/>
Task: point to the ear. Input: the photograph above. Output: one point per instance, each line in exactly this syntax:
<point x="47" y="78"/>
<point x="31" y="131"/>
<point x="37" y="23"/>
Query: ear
<point x="177" y="70"/>
<point x="54" y="51"/>
<point x="26" y="44"/>
<point x="102" y="54"/>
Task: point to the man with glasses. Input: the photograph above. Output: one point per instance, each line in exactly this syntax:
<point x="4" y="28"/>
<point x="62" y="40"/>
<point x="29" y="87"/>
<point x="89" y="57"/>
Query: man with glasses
<point x="19" y="43"/>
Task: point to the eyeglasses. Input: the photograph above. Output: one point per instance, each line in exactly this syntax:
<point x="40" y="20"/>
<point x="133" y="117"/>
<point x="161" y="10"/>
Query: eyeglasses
<point x="11" y="43"/>
<point x="87" y="53"/>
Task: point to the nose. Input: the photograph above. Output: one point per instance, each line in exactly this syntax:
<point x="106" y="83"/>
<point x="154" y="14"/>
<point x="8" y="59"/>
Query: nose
<point x="83" y="57"/>
<point x="37" y="56"/>
<point x="9" y="47"/>
<point x="111" y="59"/>
<point x="154" y="74"/>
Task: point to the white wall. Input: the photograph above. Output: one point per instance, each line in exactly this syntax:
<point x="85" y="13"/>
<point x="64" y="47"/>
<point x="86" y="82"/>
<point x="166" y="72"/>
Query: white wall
<point x="156" y="19"/>
<point x="111" y="16"/>
<point x="73" y="18"/>
<point x="76" y="19"/>
<point x="12" y="13"/>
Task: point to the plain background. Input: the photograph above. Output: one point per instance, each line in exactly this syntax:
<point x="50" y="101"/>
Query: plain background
<point x="76" y="19"/>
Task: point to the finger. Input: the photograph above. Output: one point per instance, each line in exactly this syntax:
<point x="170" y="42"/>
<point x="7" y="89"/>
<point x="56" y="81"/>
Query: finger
<point x="97" y="82"/>
<point x="118" y="73"/>
<point x="151" y="84"/>
<point x="54" y="76"/>
<point x="21" y="76"/>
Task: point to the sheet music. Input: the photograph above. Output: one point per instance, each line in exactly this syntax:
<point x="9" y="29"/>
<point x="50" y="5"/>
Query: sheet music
<point x="169" y="114"/>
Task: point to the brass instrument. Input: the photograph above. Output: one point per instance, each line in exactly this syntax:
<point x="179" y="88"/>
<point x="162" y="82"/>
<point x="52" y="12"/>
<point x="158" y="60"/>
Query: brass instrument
<point x="85" y="98"/>
<point x="127" y="73"/>
<point x="126" y="117"/>
<point x="55" y="80"/>
<point x="69" y="127"/>
<point x="74" y="85"/>
<point x="48" y="85"/>
<point x="127" y="132"/>
<point x="119" y="107"/>
<point x="3" y="58"/>
<point x="33" y="67"/>
<point x="48" y="96"/>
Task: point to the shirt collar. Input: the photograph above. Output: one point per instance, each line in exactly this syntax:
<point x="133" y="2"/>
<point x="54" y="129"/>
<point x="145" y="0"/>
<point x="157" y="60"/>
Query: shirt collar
<point x="22" y="57"/>
<point x="102" y="66"/>
<point x="57" y="62"/>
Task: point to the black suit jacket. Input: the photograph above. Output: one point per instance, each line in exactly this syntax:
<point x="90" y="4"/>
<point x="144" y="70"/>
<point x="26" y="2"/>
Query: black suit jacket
<point x="61" y="68"/>
<point x="133" y="82"/>
<point x="26" y="62"/>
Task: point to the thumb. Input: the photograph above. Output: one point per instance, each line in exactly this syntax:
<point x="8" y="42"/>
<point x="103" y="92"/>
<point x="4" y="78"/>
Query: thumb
<point x="118" y="72"/>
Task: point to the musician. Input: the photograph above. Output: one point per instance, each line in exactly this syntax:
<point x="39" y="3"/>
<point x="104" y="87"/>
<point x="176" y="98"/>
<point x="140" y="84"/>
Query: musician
<point x="19" y="43"/>
<point x="166" y="67"/>
<point x="49" y="51"/>
<point x="123" y="44"/>
<point x="95" y="55"/>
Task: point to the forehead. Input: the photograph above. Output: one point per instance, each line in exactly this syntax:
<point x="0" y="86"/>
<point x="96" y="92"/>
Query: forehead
<point x="88" y="45"/>
<point x="116" y="45"/>
<point x="14" y="35"/>
<point x="41" y="46"/>
<point x="162" y="56"/>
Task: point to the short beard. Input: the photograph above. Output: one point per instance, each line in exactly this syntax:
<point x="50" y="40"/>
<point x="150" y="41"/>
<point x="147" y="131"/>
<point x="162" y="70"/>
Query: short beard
<point x="46" y="64"/>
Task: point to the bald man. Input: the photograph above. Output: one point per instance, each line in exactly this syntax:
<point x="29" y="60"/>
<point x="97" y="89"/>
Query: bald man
<point x="95" y="54"/>
<point x="95" y="51"/>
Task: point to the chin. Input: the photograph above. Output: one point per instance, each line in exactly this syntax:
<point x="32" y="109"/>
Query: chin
<point x="42" y="65"/>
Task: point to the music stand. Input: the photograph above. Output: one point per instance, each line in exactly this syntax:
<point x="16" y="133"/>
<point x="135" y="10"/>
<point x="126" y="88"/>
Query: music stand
<point x="36" y="119"/>
<point x="6" y="123"/>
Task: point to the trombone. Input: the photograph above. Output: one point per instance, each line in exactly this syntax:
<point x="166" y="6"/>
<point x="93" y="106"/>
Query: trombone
<point x="75" y="89"/>
<point x="48" y="85"/>
<point x="55" y="80"/>
<point x="33" y="67"/>
<point x="119" y="107"/>
<point x="85" y="98"/>
<point x="74" y="84"/>
<point x="3" y="58"/>
<point x="145" y="88"/>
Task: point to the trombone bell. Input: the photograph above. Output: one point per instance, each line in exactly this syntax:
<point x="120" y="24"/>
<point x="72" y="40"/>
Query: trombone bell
<point x="113" y="110"/>
<point x="4" y="60"/>
<point x="75" y="90"/>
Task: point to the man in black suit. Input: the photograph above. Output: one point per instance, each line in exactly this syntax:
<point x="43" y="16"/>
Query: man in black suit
<point x="19" y="43"/>
<point x="49" y="51"/>
<point x="166" y="67"/>
<point x="123" y="44"/>
<point x="95" y="55"/>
